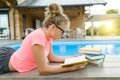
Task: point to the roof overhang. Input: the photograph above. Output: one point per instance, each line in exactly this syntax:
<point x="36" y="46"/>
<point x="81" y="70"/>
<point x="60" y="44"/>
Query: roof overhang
<point x="8" y="3"/>
<point x="66" y="3"/>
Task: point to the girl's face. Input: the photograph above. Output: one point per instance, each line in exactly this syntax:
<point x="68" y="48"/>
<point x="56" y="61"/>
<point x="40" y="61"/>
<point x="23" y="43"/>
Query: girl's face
<point x="57" y="32"/>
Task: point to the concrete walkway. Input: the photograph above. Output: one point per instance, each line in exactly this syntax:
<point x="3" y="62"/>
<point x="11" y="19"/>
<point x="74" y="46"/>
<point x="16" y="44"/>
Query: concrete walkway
<point x="6" y="42"/>
<point x="102" y="38"/>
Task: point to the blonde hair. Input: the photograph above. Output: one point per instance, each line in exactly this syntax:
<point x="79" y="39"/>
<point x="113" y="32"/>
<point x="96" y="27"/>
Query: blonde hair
<point x="54" y="15"/>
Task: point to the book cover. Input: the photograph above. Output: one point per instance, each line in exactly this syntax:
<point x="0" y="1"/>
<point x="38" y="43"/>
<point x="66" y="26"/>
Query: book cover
<point x="94" y="56"/>
<point x="74" y="60"/>
<point x="90" y="50"/>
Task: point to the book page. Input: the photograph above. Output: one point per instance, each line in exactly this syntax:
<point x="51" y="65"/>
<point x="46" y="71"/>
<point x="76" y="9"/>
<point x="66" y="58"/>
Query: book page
<point x="74" y="59"/>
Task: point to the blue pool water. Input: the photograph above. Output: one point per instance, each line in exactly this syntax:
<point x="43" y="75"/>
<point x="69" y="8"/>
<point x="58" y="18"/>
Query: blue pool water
<point x="70" y="48"/>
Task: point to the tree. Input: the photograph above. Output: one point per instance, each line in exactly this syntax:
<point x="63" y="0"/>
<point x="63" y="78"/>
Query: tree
<point x="102" y="31"/>
<point x="88" y="31"/>
<point x="117" y="26"/>
<point x="112" y="11"/>
<point x="116" y="21"/>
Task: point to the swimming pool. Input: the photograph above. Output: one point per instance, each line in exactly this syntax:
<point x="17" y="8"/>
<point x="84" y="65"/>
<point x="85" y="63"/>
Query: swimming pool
<point x="70" y="48"/>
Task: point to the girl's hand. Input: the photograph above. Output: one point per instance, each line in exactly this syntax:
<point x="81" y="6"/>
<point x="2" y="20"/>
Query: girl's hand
<point x="77" y="67"/>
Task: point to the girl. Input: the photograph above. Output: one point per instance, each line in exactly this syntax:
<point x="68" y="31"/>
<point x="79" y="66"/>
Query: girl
<point x="36" y="47"/>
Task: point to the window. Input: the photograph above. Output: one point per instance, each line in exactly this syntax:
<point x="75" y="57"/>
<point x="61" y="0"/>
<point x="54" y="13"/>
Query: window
<point x="3" y="22"/>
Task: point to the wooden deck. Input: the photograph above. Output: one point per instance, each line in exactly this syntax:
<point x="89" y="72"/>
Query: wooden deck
<point x="110" y="70"/>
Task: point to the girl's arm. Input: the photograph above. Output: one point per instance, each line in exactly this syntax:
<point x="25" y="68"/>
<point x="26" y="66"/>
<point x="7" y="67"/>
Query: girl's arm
<point x="44" y="68"/>
<point x="40" y="59"/>
<point x="53" y="58"/>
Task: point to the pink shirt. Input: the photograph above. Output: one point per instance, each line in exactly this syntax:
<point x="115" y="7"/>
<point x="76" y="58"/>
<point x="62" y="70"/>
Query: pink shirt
<point x="23" y="60"/>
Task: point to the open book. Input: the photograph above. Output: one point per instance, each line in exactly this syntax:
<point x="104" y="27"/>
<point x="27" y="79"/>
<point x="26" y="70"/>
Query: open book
<point x="74" y="60"/>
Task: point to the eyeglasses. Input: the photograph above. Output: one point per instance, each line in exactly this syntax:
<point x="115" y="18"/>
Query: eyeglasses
<point x="60" y="29"/>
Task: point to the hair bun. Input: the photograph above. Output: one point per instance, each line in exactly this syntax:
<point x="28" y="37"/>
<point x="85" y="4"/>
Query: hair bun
<point x="53" y="10"/>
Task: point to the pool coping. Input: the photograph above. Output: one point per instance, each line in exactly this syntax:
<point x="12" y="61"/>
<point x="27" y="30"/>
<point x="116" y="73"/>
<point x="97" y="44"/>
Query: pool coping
<point x="6" y="42"/>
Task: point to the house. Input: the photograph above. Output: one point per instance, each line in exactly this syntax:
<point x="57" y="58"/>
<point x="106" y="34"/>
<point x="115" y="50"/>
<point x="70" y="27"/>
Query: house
<point x="23" y="14"/>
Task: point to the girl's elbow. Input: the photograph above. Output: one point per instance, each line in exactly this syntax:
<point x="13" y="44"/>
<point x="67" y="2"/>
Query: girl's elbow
<point x="42" y="72"/>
